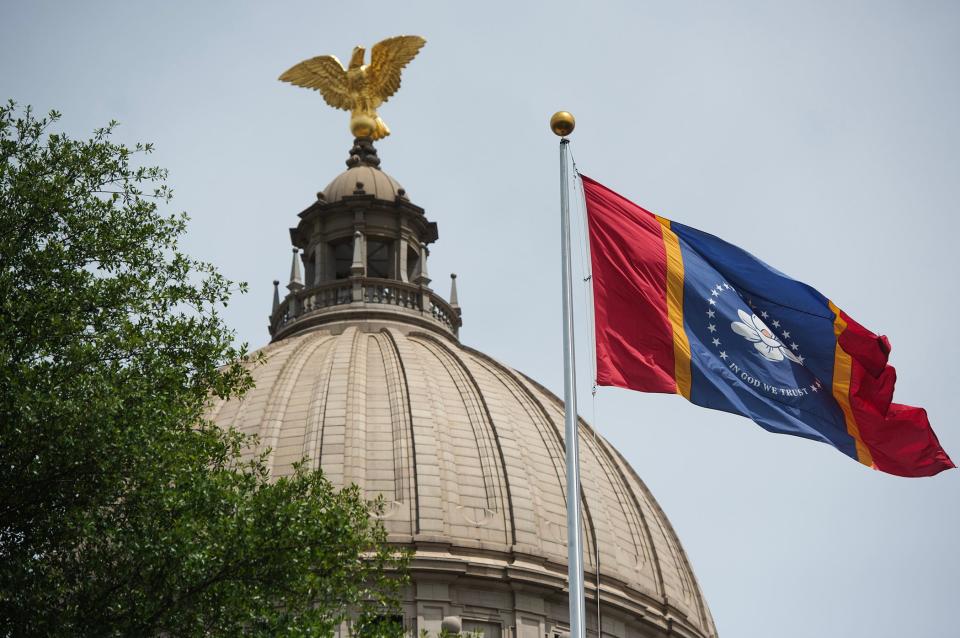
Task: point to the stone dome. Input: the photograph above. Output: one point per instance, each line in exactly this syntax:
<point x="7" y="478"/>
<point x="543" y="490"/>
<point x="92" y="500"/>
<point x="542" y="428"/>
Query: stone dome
<point x="368" y="179"/>
<point x="469" y="455"/>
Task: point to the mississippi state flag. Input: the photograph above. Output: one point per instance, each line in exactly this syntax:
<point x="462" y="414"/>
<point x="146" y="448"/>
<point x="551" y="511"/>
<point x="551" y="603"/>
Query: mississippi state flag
<point x="679" y="310"/>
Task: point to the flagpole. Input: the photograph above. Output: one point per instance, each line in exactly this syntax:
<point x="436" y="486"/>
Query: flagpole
<point x="562" y="124"/>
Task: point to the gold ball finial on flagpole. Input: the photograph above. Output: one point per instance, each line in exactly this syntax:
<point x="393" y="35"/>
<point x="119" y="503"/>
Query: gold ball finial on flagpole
<point x="562" y="123"/>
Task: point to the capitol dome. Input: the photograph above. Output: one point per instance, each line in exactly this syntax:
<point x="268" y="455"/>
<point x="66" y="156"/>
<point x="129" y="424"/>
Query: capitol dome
<point x="367" y="380"/>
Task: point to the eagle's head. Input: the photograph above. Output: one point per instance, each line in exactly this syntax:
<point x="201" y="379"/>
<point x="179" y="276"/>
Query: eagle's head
<point x="356" y="60"/>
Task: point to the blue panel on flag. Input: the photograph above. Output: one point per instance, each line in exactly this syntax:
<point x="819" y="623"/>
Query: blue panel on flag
<point x="748" y="355"/>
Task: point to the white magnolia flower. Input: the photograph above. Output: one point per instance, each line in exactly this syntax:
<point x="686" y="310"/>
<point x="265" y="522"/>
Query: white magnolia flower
<point x="752" y="328"/>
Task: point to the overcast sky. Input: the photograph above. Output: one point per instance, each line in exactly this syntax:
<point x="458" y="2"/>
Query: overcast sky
<point x="822" y="137"/>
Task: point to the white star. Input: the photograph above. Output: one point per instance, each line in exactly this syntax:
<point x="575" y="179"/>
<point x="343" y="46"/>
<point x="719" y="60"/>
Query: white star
<point x="786" y="334"/>
<point x="726" y="285"/>
<point x="716" y="342"/>
<point x="776" y="324"/>
<point x="815" y="387"/>
<point x="712" y="302"/>
<point x="800" y="356"/>
<point x="719" y="288"/>
<point x="723" y="354"/>
<point x="710" y="313"/>
<point x="794" y="346"/>
<point x="714" y="293"/>
<point x="712" y="328"/>
<point x="765" y="314"/>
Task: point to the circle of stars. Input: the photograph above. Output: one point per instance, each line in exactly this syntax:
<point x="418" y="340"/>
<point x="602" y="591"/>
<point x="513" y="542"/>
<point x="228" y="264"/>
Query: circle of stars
<point x="775" y="324"/>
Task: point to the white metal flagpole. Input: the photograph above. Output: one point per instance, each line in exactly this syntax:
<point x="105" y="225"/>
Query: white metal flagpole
<point x="562" y="124"/>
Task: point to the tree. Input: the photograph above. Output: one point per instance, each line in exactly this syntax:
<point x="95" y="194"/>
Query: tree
<point x="123" y="511"/>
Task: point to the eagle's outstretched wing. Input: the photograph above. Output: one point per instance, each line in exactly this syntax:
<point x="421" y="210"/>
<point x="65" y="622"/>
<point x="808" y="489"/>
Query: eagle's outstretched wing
<point x="325" y="74"/>
<point x="387" y="59"/>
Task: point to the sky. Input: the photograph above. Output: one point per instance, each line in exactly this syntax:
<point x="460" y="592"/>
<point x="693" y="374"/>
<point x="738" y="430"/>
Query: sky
<point x="821" y="136"/>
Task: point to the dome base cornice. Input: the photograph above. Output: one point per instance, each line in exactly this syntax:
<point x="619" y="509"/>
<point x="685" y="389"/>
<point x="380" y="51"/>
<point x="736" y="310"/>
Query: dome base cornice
<point x="529" y="574"/>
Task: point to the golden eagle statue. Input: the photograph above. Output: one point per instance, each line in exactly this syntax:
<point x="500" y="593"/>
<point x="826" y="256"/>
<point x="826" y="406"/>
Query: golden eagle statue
<point x="360" y="88"/>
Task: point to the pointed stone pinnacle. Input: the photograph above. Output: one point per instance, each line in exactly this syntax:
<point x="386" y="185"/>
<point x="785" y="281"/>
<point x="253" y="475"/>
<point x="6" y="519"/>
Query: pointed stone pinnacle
<point x="453" y="290"/>
<point x="296" y="278"/>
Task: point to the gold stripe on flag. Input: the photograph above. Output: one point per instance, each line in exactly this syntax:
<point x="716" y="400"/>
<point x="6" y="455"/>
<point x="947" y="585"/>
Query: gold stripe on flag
<point x="842" y="372"/>
<point x="681" y="345"/>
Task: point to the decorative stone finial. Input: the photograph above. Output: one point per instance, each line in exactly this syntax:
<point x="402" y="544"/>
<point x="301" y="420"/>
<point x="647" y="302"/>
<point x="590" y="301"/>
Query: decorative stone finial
<point x="276" y="295"/>
<point x="296" y="278"/>
<point x="363" y="153"/>
<point x="453" y="292"/>
<point x="451" y="624"/>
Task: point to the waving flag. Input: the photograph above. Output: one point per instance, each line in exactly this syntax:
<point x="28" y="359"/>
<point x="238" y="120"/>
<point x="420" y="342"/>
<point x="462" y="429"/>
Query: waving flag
<point x="679" y="310"/>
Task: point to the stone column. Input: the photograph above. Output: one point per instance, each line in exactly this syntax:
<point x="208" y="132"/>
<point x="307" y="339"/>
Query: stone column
<point x="423" y="279"/>
<point x="358" y="268"/>
<point x="400" y="260"/>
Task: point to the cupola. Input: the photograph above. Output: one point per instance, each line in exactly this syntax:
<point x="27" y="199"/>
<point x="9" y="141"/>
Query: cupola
<point x="360" y="252"/>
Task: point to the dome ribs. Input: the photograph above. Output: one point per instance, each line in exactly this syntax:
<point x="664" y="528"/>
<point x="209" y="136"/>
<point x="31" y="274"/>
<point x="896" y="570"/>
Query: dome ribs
<point x="551" y="434"/>
<point x="611" y="492"/>
<point x="470" y="454"/>
<point x="428" y="454"/>
<point x="591" y="531"/>
<point x="355" y="430"/>
<point x="617" y="479"/>
<point x="283" y="452"/>
<point x="317" y="416"/>
<point x="679" y="578"/>
<point x="683" y="567"/>
<point x="397" y="437"/>
<point x="235" y="414"/>
<point x="384" y="470"/>
<point x="595" y="485"/>
<point x="547" y="497"/>
<point x="406" y="408"/>
<point x="494" y="482"/>
<point x="444" y="453"/>
<point x="333" y="431"/>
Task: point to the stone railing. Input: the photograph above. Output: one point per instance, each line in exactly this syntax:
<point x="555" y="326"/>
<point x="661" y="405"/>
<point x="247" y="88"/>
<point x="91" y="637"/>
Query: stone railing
<point x="365" y="294"/>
